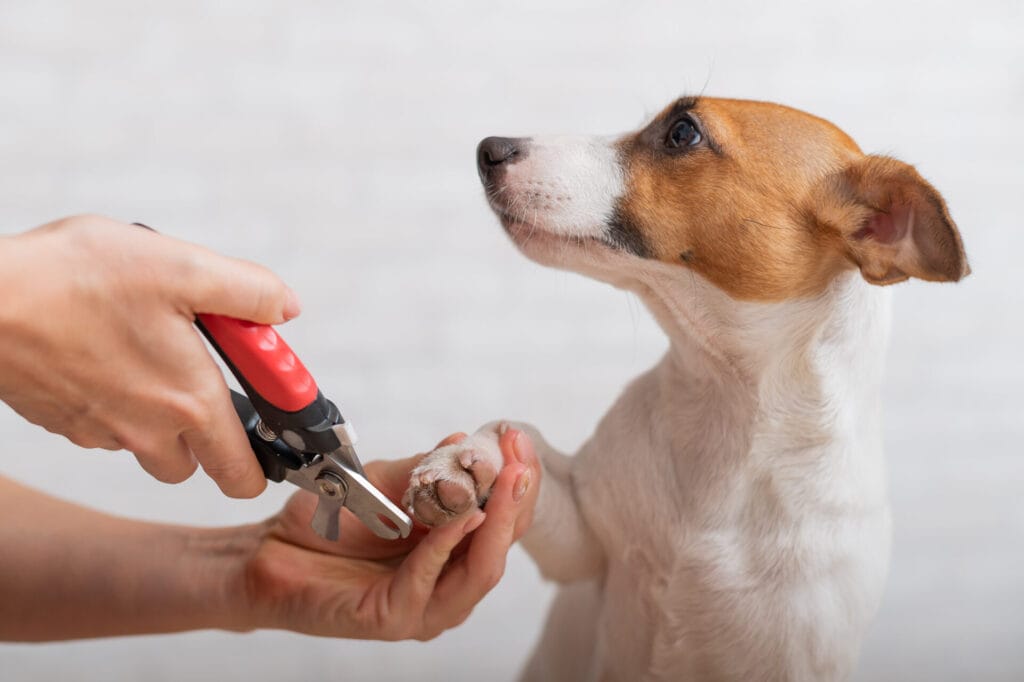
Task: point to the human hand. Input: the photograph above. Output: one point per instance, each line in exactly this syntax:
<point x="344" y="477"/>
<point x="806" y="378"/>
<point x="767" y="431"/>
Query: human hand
<point x="97" y="344"/>
<point x="369" y="588"/>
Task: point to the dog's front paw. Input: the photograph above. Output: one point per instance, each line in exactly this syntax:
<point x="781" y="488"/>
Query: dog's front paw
<point x="453" y="479"/>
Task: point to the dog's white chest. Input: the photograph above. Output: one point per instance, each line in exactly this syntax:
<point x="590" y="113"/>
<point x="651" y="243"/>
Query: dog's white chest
<point x="709" y="551"/>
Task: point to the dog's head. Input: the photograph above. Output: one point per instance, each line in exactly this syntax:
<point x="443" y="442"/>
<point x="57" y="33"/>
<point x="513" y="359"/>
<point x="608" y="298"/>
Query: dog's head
<point x="764" y="202"/>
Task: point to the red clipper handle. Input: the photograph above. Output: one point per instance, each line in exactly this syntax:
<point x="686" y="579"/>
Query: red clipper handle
<point x="259" y="354"/>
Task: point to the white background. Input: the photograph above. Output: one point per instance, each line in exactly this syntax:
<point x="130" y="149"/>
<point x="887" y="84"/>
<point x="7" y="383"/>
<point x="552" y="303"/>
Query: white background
<point x="335" y="141"/>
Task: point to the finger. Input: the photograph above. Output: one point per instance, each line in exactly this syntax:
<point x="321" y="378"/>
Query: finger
<point x="238" y="288"/>
<point x="516" y="446"/>
<point x="223" y="451"/>
<point x="413" y="584"/>
<point x="460" y="618"/>
<point x="491" y="543"/>
<point x="171" y="463"/>
<point x="484" y="562"/>
<point x="93" y="441"/>
<point x="110" y="443"/>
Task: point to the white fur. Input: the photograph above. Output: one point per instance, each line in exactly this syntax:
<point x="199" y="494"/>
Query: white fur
<point x="564" y="186"/>
<point x="728" y="518"/>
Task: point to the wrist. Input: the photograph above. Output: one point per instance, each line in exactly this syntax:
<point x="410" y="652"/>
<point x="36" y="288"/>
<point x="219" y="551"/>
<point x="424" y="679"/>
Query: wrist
<point x="97" y="575"/>
<point x="12" y="255"/>
<point x="18" y="291"/>
<point x="33" y="265"/>
<point x="214" y="584"/>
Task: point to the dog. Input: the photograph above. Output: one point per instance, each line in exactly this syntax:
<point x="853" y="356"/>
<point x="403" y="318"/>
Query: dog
<point x="728" y="518"/>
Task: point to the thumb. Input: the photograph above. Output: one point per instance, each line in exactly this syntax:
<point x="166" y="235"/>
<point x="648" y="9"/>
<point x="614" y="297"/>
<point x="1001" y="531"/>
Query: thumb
<point x="241" y="289"/>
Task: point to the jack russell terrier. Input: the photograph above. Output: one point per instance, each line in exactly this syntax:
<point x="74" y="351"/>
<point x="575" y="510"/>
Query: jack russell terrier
<point x="728" y="518"/>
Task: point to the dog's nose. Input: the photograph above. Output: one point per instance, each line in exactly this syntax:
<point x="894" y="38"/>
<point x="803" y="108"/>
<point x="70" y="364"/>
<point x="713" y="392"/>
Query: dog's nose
<point x="494" y="152"/>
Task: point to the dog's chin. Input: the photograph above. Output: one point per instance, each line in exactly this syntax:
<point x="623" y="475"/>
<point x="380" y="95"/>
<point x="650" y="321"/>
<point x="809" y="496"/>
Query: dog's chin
<point x="539" y="243"/>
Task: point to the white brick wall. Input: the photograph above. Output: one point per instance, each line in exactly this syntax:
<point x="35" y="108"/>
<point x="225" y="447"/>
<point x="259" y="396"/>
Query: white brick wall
<point x="334" y="142"/>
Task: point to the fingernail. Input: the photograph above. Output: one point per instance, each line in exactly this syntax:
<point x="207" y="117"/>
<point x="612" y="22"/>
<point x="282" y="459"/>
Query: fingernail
<point x="523" y="448"/>
<point x="521" y="486"/>
<point x="474" y="522"/>
<point x="502" y="428"/>
<point x="292" y="305"/>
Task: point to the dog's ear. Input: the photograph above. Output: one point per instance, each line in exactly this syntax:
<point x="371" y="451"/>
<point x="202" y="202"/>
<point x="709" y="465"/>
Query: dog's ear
<point x="892" y="223"/>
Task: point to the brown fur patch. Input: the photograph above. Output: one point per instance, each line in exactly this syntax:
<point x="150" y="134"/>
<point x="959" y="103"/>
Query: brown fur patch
<point x="876" y="202"/>
<point x="742" y="207"/>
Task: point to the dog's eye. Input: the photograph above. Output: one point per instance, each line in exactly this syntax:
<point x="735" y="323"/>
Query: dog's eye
<point x="683" y="133"/>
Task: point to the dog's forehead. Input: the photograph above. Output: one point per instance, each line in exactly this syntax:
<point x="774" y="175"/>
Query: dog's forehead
<point x="747" y="129"/>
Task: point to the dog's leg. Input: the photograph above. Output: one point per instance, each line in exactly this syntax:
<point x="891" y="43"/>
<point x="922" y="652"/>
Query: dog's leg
<point x="566" y="648"/>
<point x="453" y="479"/>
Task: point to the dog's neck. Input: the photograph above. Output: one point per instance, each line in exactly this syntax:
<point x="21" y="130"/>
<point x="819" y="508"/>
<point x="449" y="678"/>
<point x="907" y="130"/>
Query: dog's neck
<point x="801" y="379"/>
<point x="842" y="331"/>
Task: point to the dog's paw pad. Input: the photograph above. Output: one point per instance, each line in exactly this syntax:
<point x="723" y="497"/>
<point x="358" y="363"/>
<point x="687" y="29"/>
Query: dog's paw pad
<point x="455" y="496"/>
<point x="450" y="481"/>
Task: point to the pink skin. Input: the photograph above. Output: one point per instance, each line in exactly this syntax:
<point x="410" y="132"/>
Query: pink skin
<point x="277" y="574"/>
